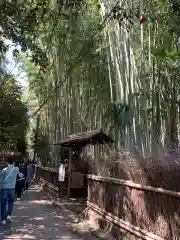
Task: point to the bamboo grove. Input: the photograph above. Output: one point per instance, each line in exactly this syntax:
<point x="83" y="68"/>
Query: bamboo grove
<point x="111" y="65"/>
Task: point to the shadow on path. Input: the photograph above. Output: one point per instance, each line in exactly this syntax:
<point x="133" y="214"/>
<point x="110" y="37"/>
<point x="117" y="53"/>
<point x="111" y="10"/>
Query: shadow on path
<point x="35" y="218"/>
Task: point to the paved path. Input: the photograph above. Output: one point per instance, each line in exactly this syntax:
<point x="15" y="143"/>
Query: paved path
<point x="35" y="218"/>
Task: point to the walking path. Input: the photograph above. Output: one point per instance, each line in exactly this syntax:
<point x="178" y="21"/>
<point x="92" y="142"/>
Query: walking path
<point x="35" y="218"/>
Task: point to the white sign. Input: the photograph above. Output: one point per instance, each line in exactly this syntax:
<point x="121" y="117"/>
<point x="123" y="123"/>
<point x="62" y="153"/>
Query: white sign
<point x="61" y="173"/>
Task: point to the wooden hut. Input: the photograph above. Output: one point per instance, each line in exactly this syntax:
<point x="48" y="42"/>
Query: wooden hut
<point x="78" y="142"/>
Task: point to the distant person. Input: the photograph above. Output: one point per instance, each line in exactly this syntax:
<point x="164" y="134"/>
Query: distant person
<point x="3" y="165"/>
<point x="23" y="170"/>
<point x="29" y="175"/>
<point x="20" y="181"/>
<point x="34" y="169"/>
<point x="7" y="182"/>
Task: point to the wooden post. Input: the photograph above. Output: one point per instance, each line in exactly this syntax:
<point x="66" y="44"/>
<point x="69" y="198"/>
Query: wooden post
<point x="69" y="171"/>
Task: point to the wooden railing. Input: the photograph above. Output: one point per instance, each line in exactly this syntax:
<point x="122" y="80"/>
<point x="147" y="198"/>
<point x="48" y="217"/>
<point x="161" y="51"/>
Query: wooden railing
<point x="145" y="211"/>
<point x="50" y="176"/>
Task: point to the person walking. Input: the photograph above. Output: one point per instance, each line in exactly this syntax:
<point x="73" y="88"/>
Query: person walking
<point x="8" y="181"/>
<point x="20" y="181"/>
<point x="29" y="175"/>
<point x="34" y="168"/>
<point x="23" y="170"/>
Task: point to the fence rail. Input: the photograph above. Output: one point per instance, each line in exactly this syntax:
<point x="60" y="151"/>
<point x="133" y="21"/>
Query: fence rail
<point x="50" y="177"/>
<point x="148" y="212"/>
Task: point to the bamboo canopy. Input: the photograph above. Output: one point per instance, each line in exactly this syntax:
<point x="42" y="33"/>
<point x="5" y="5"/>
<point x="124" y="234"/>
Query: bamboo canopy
<point x="125" y="82"/>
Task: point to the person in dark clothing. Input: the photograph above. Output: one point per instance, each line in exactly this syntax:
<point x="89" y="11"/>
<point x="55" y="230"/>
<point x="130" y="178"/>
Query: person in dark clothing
<point x="34" y="168"/>
<point x="29" y="175"/>
<point x="3" y="165"/>
<point x="23" y="170"/>
<point x="20" y="181"/>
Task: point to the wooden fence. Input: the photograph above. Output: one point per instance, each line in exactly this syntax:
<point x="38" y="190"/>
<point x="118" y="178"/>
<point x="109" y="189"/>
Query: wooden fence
<point x="49" y="177"/>
<point x="148" y="212"/>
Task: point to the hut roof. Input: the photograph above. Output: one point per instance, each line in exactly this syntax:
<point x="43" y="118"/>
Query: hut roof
<point x="84" y="138"/>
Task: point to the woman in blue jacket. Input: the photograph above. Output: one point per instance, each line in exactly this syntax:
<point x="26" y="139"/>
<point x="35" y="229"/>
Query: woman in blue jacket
<point x="7" y="182"/>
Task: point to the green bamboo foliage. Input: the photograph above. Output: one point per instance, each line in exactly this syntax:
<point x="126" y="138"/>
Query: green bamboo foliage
<point x="126" y="80"/>
<point x="139" y="76"/>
